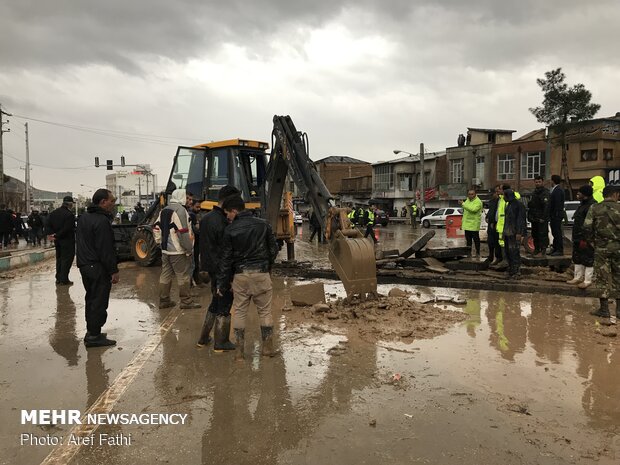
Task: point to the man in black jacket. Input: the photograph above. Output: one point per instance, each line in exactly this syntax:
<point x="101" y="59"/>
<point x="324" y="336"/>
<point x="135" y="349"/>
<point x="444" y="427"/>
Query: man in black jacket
<point x="211" y="236"/>
<point x="515" y="229"/>
<point x="495" y="250"/>
<point x="96" y="259"/>
<point x="6" y="226"/>
<point x="248" y="252"/>
<point x="556" y="215"/>
<point x="61" y="223"/>
<point x="538" y="214"/>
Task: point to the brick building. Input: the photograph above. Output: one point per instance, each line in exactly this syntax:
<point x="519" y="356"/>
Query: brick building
<point x="336" y="168"/>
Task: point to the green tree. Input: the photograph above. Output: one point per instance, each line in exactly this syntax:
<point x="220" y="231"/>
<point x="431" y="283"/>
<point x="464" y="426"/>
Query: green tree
<point x="563" y="105"/>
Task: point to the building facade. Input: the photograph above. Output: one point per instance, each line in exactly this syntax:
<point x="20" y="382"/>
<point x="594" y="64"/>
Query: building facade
<point x="336" y="168"/>
<point x="131" y="187"/>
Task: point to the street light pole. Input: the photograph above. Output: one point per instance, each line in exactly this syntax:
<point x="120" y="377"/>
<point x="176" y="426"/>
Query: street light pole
<point x="422" y="178"/>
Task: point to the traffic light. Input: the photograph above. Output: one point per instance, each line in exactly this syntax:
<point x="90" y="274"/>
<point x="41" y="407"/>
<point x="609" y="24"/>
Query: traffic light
<point x="96" y="162"/>
<point x="109" y="165"/>
<point x="122" y="160"/>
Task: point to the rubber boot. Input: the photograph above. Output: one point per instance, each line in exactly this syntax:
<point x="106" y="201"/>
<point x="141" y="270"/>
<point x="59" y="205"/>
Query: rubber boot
<point x="207" y="325"/>
<point x="164" y="296"/>
<point x="267" y="336"/>
<point x="603" y="310"/>
<point x="579" y="274"/>
<point x="587" y="279"/>
<point x="221" y="334"/>
<point x="240" y="343"/>
<point x="186" y="298"/>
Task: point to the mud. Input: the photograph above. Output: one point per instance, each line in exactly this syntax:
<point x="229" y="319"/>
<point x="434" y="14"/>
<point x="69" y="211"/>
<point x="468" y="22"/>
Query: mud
<point x="398" y="317"/>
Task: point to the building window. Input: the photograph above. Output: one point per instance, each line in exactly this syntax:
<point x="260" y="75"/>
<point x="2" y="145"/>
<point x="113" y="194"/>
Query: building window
<point x="608" y="154"/>
<point x="480" y="169"/>
<point x="456" y="171"/>
<point x="505" y="166"/>
<point x="384" y="178"/>
<point x="405" y="181"/>
<point x="532" y="164"/>
<point x="589" y="155"/>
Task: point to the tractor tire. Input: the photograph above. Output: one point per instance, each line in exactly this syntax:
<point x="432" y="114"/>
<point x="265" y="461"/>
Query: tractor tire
<point x="144" y="249"/>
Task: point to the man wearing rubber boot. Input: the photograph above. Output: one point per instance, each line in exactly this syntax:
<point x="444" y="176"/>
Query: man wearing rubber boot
<point x="602" y="227"/>
<point x="538" y="214"/>
<point x="173" y="232"/>
<point x="96" y="259"/>
<point x="514" y="231"/>
<point x="248" y="252"/>
<point x="212" y="227"/>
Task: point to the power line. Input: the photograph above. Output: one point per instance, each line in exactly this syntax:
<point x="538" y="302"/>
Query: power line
<point x="50" y="167"/>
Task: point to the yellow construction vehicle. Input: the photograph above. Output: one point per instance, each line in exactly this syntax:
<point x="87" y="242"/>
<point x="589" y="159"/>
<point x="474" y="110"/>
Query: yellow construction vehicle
<point x="261" y="177"/>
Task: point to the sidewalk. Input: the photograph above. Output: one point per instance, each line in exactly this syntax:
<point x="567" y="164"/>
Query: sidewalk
<point x="23" y="255"/>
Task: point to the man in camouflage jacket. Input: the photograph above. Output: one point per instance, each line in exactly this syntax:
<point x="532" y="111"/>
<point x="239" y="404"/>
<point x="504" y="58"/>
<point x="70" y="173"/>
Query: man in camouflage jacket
<point x="602" y="226"/>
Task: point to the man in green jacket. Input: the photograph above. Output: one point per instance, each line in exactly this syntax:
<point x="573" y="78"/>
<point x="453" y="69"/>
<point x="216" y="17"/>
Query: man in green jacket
<point x="598" y="184"/>
<point x="472" y="213"/>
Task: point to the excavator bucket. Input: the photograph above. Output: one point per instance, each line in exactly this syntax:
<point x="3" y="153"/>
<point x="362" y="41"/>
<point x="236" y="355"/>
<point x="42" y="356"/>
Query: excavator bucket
<point x="353" y="258"/>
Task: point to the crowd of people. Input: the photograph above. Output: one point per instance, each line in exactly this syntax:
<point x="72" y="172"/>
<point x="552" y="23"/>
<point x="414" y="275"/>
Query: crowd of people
<point x="595" y="233"/>
<point x="14" y="226"/>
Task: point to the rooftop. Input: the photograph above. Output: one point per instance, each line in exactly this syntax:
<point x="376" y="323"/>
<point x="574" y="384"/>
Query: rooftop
<point x="508" y="131"/>
<point x="341" y="159"/>
<point x="412" y="158"/>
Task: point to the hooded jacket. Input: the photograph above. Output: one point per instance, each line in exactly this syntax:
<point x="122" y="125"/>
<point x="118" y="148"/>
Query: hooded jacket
<point x="172" y="230"/>
<point x="472" y="214"/>
<point x="580" y="217"/>
<point x="515" y="222"/>
<point x="212" y="227"/>
<point x="598" y="184"/>
<point x="95" y="240"/>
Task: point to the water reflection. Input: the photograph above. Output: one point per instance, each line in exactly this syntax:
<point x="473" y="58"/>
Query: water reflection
<point x="508" y="327"/>
<point x="97" y="378"/>
<point x="63" y="337"/>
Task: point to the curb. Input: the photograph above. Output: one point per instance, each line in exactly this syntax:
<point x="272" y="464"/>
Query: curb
<point x="22" y="259"/>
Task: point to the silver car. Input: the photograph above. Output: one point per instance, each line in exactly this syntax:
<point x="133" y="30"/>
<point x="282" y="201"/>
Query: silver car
<point x="438" y="217"/>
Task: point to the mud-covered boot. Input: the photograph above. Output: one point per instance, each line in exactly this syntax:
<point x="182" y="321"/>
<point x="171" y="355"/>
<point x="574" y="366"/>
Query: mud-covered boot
<point x="603" y="310"/>
<point x="240" y="343"/>
<point x="587" y="278"/>
<point x="267" y="336"/>
<point x="186" y="298"/>
<point x="164" y="295"/>
<point x="221" y="334"/>
<point x="207" y="325"/>
<point x="579" y="274"/>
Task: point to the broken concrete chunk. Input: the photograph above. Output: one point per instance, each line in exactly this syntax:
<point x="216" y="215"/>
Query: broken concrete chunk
<point x="396" y="292"/>
<point x="321" y="308"/>
<point x="305" y="295"/>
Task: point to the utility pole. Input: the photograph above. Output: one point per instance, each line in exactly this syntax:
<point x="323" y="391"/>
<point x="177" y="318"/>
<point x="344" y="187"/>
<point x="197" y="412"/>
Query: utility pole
<point x="422" y="178"/>
<point x="27" y="177"/>
<point x="2" y="131"/>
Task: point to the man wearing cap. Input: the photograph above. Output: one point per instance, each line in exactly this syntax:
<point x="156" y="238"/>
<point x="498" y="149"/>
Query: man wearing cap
<point x="61" y="223"/>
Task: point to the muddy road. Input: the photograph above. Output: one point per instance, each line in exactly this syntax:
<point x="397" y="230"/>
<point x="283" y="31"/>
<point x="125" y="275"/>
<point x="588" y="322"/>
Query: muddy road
<point x="489" y="377"/>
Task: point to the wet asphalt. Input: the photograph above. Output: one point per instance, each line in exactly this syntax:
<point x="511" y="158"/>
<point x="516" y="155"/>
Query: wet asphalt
<point x="527" y="378"/>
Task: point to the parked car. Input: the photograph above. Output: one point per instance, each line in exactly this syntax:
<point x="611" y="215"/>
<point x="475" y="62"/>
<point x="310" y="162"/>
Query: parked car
<point x="297" y="218"/>
<point x="438" y="217"/>
<point x="381" y="218"/>
<point x="570" y="207"/>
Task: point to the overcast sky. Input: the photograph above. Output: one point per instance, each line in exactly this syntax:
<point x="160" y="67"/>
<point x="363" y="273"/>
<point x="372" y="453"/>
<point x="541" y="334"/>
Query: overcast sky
<point x="361" y="77"/>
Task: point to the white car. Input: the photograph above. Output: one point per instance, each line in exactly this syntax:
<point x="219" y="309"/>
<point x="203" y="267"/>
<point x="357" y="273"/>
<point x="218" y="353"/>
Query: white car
<point x="297" y="218"/>
<point x="438" y="217"/>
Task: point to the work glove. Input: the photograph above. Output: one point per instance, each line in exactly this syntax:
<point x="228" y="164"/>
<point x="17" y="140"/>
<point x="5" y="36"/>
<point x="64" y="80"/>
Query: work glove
<point x="583" y="244"/>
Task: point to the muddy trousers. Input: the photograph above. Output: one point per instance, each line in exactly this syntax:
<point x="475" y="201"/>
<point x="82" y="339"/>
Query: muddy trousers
<point x="178" y="266"/>
<point x="220" y="305"/>
<point x="97" y="283"/>
<point x="65" y="253"/>
<point x="513" y="254"/>
<point x="475" y="237"/>
<point x="495" y="250"/>
<point x="255" y="287"/>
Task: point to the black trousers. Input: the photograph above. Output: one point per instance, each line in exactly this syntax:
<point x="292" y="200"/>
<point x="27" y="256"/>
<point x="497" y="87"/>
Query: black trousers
<point x="98" y="284"/>
<point x="540" y="235"/>
<point x="475" y="237"/>
<point x="65" y="253"/>
<point x="513" y="254"/>
<point x="495" y="250"/>
<point x="5" y="237"/>
<point x="316" y="230"/>
<point x="556" y="230"/>
<point x="220" y="305"/>
<point x="370" y="231"/>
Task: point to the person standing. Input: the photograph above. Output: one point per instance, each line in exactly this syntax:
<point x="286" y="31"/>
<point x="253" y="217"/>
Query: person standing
<point x="212" y="227"/>
<point x="472" y="216"/>
<point x="61" y="223"/>
<point x="315" y="225"/>
<point x="602" y="227"/>
<point x="414" y="216"/>
<point x="495" y="251"/>
<point x="556" y="215"/>
<point x="598" y="184"/>
<point x="173" y="232"/>
<point x="249" y="250"/>
<point x="6" y="226"/>
<point x="369" y="219"/>
<point x="538" y="215"/>
<point x="36" y="227"/>
<point x="96" y="259"/>
<point x="583" y="252"/>
<point x="514" y="231"/>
